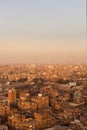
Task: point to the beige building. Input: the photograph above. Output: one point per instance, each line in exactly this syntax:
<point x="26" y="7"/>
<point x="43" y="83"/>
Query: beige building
<point x="12" y="97"/>
<point x="3" y="127"/>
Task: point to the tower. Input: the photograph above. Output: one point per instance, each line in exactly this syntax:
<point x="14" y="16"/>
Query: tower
<point x="12" y="97"/>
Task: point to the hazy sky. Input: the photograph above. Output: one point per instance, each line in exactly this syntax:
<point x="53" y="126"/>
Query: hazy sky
<point x="43" y="31"/>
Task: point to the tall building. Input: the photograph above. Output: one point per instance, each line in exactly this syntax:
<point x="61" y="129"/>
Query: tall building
<point x="12" y="97"/>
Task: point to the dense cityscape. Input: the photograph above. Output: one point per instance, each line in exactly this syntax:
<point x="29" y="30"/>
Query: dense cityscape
<point x="43" y="97"/>
<point x="43" y="64"/>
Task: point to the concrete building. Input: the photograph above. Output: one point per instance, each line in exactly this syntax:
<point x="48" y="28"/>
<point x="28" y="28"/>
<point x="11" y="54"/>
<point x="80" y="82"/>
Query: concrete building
<point x="3" y="127"/>
<point x="12" y="97"/>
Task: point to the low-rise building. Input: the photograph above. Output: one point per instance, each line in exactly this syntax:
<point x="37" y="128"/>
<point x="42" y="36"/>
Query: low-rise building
<point x="3" y="127"/>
